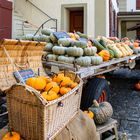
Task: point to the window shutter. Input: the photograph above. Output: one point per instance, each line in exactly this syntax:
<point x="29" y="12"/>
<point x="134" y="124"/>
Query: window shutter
<point x="138" y="4"/>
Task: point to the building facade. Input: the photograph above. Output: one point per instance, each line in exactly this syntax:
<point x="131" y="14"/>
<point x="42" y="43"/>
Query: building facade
<point x="129" y="18"/>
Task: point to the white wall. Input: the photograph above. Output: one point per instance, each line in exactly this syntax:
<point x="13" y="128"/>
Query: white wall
<point x="131" y="5"/>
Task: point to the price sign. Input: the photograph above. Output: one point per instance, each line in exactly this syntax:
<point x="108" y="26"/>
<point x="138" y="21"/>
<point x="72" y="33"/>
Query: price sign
<point x="25" y="74"/>
<point x="59" y="35"/>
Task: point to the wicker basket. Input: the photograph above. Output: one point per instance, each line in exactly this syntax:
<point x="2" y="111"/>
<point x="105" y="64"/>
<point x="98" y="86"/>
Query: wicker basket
<point x="29" y="114"/>
<point x="35" y="118"/>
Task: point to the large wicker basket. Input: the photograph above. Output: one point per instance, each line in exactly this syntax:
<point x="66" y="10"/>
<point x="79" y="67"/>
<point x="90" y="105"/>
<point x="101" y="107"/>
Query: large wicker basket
<point x="36" y="119"/>
<point x="29" y="114"/>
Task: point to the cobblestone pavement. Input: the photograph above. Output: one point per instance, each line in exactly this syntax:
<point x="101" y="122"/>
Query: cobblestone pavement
<point x="126" y="104"/>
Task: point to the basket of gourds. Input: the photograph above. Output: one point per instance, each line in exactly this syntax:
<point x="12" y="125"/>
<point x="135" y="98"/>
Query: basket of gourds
<point x="40" y="106"/>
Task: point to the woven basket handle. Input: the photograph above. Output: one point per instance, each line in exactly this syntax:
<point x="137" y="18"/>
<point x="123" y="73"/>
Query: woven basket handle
<point x="11" y="61"/>
<point x="22" y="66"/>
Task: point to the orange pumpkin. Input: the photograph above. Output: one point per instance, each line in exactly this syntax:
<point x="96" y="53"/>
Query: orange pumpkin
<point x="89" y="114"/>
<point x="73" y="84"/>
<point x="135" y="44"/>
<point x="137" y="86"/>
<point x="49" y="95"/>
<point x="64" y="90"/>
<point x="11" y="136"/>
<point x="47" y="79"/>
<point x="58" y="78"/>
<point x="65" y="82"/>
<point x="53" y="86"/>
<point x="36" y="83"/>
<point x="105" y="55"/>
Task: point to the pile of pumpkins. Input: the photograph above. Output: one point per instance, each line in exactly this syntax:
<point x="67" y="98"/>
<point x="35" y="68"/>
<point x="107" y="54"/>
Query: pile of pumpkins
<point x="78" y="48"/>
<point x="100" y="112"/>
<point x="52" y="88"/>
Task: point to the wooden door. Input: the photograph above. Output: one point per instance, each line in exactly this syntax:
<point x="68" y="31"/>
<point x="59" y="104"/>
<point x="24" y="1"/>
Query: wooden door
<point x="5" y="19"/>
<point x="76" y="21"/>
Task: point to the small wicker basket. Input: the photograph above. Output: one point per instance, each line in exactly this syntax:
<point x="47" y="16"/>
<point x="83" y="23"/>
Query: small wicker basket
<point x="35" y="118"/>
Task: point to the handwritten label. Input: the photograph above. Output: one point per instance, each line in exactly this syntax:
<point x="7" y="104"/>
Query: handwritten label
<point x="25" y="74"/>
<point x="59" y="35"/>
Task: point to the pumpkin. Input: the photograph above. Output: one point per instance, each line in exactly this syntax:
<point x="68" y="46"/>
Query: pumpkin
<point x="53" y="86"/>
<point x="51" y="57"/>
<point x="74" y="51"/>
<point x="83" y="61"/>
<point x="50" y="95"/>
<point x="64" y="90"/>
<point x="135" y="44"/>
<point x="11" y="136"/>
<point x="36" y="83"/>
<point x="53" y="38"/>
<point x="48" y="47"/>
<point x="36" y="38"/>
<point x="29" y="37"/>
<point x="105" y="54"/>
<point x="59" y="50"/>
<point x="47" y="79"/>
<point x="90" y="51"/>
<point x="102" y="112"/>
<point x="96" y="60"/>
<point x="79" y="44"/>
<point x="47" y="31"/>
<point x="64" y="42"/>
<point x="58" y="78"/>
<point x="65" y="82"/>
<point x="44" y="38"/>
<point x="74" y="36"/>
<point x="73" y="85"/>
<point x="137" y="86"/>
<point x="89" y="114"/>
<point x="66" y="59"/>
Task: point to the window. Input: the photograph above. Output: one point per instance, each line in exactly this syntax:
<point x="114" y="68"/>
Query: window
<point x="138" y="4"/>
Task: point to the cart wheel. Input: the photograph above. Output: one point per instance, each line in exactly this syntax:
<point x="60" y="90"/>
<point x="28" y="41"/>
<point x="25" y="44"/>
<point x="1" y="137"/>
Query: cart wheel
<point x="96" y="88"/>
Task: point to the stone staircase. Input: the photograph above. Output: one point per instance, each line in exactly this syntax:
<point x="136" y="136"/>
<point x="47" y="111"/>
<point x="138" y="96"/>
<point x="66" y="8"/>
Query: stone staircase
<point x="21" y="26"/>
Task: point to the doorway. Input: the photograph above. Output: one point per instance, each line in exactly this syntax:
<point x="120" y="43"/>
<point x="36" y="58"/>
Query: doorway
<point x="76" y="21"/>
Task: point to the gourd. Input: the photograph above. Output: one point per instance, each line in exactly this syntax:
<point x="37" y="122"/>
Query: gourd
<point x="102" y="112"/>
<point x="79" y="44"/>
<point x="44" y="38"/>
<point x="111" y="54"/>
<point x="74" y="51"/>
<point x="65" y="82"/>
<point x="64" y="42"/>
<point x="84" y="61"/>
<point x="49" y="95"/>
<point x="48" y="47"/>
<point x="66" y="59"/>
<point x="36" y="83"/>
<point x="11" y="136"/>
<point x="29" y="37"/>
<point x="36" y="38"/>
<point x="82" y="35"/>
<point x="137" y="86"/>
<point x="96" y="60"/>
<point x="59" y="50"/>
<point x="89" y="114"/>
<point x="98" y="45"/>
<point x="53" y="86"/>
<point x="90" y="51"/>
<point x="53" y="38"/>
<point x="73" y="84"/>
<point x="105" y="54"/>
<point x="64" y="90"/>
<point x="58" y="78"/>
<point x="74" y="36"/>
<point x="47" y="31"/>
<point x="47" y="79"/>
<point x="51" y="57"/>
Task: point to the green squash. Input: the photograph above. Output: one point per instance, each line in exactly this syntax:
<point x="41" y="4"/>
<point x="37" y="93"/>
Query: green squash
<point x="111" y="52"/>
<point x="53" y="38"/>
<point x="102" y="112"/>
<point x="64" y="42"/>
<point x="29" y="37"/>
<point x="51" y="57"/>
<point x="48" y="47"/>
<point x="66" y="59"/>
<point x="74" y="51"/>
<point x="46" y="31"/>
<point x="96" y="60"/>
<point x="90" y="51"/>
<point x="84" y="61"/>
<point x="82" y="35"/>
<point x="79" y="44"/>
<point x="59" y="50"/>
